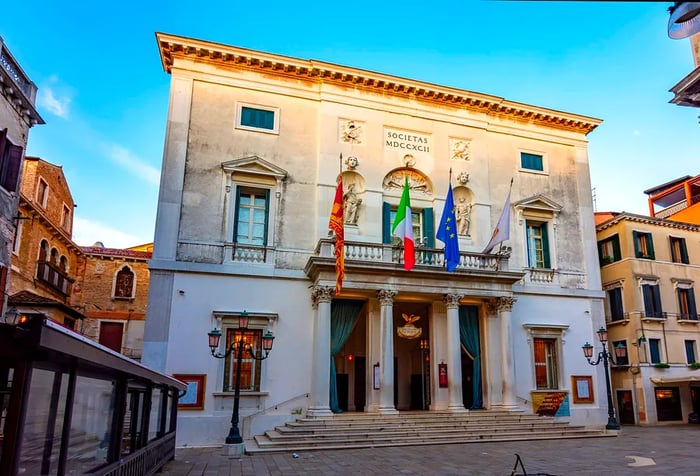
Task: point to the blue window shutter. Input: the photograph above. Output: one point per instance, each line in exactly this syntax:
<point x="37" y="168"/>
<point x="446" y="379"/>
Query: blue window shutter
<point x="386" y="223"/>
<point x="429" y="227"/>
<point x="690" y="351"/>
<point x="648" y="301"/>
<point x="545" y="246"/>
<point x="616" y="309"/>
<point x="656" y="295"/>
<point x="691" y="304"/>
<point x="654" y="351"/>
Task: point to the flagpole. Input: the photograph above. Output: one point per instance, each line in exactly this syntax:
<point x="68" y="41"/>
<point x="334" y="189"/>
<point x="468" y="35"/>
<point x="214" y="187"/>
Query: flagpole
<point x="500" y="245"/>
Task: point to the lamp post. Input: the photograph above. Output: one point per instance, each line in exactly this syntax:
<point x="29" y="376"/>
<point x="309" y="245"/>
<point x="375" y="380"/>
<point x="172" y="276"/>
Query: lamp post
<point x="239" y="346"/>
<point x="604" y="356"/>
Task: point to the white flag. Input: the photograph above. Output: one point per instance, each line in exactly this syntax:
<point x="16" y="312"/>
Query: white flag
<point x="502" y="231"/>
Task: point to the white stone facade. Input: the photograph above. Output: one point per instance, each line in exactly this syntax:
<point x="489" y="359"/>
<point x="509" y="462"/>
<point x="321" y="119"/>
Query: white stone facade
<point x="203" y="275"/>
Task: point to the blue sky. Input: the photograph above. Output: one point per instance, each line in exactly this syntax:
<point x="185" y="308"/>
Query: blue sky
<point x="104" y="95"/>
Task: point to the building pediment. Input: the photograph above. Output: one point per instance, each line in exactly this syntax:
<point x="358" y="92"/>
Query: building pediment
<point x="538" y="202"/>
<point x="254" y="165"/>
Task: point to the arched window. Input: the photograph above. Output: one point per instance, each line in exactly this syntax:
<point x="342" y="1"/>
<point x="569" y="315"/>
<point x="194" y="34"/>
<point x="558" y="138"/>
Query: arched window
<point x="124" y="283"/>
<point x="54" y="256"/>
<point x="63" y="265"/>
<point x="44" y="250"/>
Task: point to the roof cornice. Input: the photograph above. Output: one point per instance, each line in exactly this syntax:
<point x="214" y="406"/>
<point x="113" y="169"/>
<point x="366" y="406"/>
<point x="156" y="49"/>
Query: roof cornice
<point x="172" y="47"/>
<point x="648" y="221"/>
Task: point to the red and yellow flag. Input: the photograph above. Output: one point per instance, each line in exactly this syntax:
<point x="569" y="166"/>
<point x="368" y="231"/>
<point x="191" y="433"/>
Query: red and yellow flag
<point x="336" y="225"/>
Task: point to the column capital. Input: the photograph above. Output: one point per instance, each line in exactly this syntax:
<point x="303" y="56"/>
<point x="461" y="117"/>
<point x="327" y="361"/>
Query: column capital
<point x="502" y="303"/>
<point x="452" y="300"/>
<point x="321" y="294"/>
<point x="386" y="296"/>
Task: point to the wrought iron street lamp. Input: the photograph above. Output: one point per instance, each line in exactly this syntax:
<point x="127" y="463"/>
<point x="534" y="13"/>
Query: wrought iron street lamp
<point x="604" y="357"/>
<point x="239" y="346"/>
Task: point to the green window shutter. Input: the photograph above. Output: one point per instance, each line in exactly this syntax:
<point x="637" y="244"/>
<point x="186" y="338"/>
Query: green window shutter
<point x="545" y="246"/>
<point x="386" y="223"/>
<point x="684" y="252"/>
<point x="267" y="214"/>
<point x="600" y="253"/>
<point x="531" y="161"/>
<point x="429" y="227"/>
<point x="617" y="254"/>
<point x="650" y="245"/>
<point x="635" y="239"/>
<point x="616" y="304"/>
<point x="648" y="301"/>
<point x="235" y="215"/>
<point x="656" y="295"/>
<point x="259" y="118"/>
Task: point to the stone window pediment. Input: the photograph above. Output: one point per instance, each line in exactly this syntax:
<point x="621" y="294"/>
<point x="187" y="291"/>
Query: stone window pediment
<point x="254" y="166"/>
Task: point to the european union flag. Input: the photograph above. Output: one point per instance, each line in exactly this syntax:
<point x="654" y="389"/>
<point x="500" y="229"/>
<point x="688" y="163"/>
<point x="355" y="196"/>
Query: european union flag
<point x="447" y="232"/>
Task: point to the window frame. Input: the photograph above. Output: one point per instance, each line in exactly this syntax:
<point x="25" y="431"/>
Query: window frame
<point x="685" y="296"/>
<point x="617" y="312"/>
<point x="624" y="361"/>
<point x="553" y="333"/>
<point x="679" y="250"/>
<point x="690" y="351"/>
<point x="543" y="162"/>
<point x="643" y="244"/>
<point x="651" y="297"/>
<point x="607" y="245"/>
<point x="543" y="226"/>
<point x="239" y="117"/>
<point x="11" y="157"/>
<point x="66" y="217"/>
<point x="115" y="283"/>
<point x="655" y="356"/>
<point x="253" y="192"/>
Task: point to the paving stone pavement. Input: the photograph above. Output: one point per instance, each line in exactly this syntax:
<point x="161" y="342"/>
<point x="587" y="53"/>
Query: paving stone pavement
<point x="673" y="450"/>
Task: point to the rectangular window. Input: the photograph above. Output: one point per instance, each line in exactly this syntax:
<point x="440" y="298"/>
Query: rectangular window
<point x="65" y="218"/>
<point x="609" y="250"/>
<point x="537" y="245"/>
<point x="686" y="304"/>
<point x="257" y="118"/>
<point x="416" y="219"/>
<point x="617" y="312"/>
<point x="42" y="193"/>
<point x="652" y="301"/>
<point x="250" y="368"/>
<point x="251" y="221"/>
<point x="546" y="373"/>
<point x="620" y="360"/>
<point x="10" y="162"/>
<point x="679" y="252"/>
<point x="643" y="245"/>
<point x="531" y="161"/>
<point x="690" y="351"/>
<point x="654" y="350"/>
<point x="16" y="240"/>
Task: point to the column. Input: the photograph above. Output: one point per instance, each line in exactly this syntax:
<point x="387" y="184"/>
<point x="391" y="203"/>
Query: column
<point x="504" y="305"/>
<point x="386" y="362"/>
<point x="321" y="297"/>
<point x="455" y="402"/>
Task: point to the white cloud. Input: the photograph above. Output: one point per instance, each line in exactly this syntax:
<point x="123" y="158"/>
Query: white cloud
<point x="126" y="159"/>
<point x="86" y="232"/>
<point x="56" y="105"/>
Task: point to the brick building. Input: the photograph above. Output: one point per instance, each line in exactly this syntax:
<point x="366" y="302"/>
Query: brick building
<point x="111" y="289"/>
<point x="17" y="116"/>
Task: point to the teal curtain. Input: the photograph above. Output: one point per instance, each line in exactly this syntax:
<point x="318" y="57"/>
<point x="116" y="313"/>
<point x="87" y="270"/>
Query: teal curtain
<point x="343" y="318"/>
<point x="469" y="337"/>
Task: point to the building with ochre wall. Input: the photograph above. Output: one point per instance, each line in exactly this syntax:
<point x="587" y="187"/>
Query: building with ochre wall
<point x="649" y="272"/>
<point x="250" y="166"/>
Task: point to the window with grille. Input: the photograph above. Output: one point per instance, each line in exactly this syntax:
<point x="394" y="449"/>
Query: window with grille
<point x="124" y="283"/>
<point x="250" y="368"/>
<point x="546" y="368"/>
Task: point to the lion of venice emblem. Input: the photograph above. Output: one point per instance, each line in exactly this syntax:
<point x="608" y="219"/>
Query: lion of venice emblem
<point x="409" y="331"/>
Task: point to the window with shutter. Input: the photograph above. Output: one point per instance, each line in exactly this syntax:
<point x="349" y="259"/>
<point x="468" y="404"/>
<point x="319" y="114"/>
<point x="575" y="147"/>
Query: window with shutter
<point x="531" y="162"/>
<point x="679" y="252"/>
<point x="537" y="245"/>
<point x="257" y="118"/>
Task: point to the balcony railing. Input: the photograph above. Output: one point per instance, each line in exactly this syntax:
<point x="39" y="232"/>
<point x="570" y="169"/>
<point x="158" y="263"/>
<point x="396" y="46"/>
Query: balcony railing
<point x="8" y="63"/>
<point x="54" y="277"/>
<point x="432" y="257"/>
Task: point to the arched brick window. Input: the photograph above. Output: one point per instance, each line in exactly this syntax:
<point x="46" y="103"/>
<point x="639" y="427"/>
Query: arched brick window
<point x="124" y="283"/>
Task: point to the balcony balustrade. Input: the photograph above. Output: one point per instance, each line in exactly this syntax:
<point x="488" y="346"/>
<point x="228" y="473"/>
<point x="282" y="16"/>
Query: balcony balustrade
<point x="54" y="277"/>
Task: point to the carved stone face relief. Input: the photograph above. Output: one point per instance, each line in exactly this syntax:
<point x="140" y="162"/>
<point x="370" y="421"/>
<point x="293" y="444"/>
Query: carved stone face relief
<point x="351" y="163"/>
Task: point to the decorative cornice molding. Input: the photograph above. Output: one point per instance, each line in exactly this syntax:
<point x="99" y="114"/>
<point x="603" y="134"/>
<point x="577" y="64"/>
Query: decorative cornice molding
<point x="647" y="220"/>
<point x="172" y="47"/>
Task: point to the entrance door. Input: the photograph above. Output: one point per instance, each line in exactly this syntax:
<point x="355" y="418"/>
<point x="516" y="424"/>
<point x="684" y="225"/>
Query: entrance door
<point x="467" y="376"/>
<point x="625" y="407"/>
<point x="668" y="404"/>
<point x="360" y="383"/>
<point x="111" y="335"/>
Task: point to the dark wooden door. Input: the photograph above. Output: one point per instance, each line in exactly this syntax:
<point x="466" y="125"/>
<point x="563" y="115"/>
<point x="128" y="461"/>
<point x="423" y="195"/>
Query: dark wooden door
<point x="360" y="383"/>
<point x="111" y="335"/>
<point x="625" y="407"/>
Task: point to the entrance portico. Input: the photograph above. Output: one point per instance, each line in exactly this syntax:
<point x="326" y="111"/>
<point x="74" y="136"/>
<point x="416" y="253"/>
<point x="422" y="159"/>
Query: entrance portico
<point x="386" y="292"/>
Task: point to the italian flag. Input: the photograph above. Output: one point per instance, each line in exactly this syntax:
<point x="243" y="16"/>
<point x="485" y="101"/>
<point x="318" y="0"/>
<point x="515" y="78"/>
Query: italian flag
<point x="403" y="227"/>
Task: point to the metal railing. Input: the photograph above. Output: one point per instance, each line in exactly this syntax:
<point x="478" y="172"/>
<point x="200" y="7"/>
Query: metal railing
<point x="8" y="63"/>
<point x="143" y="462"/>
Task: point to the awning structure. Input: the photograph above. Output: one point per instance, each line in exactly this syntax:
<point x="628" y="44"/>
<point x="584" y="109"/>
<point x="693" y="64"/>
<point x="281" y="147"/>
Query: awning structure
<point x="687" y="378"/>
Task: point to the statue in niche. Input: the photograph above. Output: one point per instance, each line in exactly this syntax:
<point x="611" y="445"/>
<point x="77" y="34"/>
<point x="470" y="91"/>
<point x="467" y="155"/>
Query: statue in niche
<point x="352" y="132"/>
<point x="351" y="205"/>
<point x="463" y="212"/>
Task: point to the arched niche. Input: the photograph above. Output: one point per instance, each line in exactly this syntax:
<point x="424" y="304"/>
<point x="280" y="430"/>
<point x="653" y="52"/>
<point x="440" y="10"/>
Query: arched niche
<point x="418" y="182"/>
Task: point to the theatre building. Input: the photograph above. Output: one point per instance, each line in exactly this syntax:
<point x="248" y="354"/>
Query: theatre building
<point x="251" y="162"/>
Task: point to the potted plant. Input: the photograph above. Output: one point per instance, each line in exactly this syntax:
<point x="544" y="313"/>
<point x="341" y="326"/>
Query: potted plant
<point x="661" y="365"/>
<point x="694" y="365"/>
<point x="607" y="259"/>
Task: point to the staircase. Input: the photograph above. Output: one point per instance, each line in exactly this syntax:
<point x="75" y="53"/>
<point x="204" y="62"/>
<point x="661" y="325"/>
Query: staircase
<point x="363" y="430"/>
